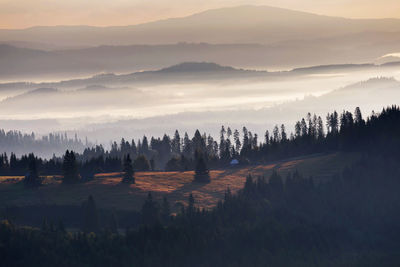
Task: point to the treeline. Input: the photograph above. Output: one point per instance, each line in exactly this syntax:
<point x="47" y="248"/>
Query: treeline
<point x="54" y="143"/>
<point x="352" y="219"/>
<point x="346" y="131"/>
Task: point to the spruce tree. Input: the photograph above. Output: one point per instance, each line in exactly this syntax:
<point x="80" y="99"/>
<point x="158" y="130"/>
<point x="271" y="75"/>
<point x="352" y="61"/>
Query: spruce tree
<point x="141" y="163"/>
<point x="128" y="170"/>
<point x="70" y="168"/>
<point x="191" y="209"/>
<point x="32" y="178"/>
<point x="201" y="172"/>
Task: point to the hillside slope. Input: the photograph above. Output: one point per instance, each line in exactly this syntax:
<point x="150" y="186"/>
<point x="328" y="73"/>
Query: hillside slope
<point x="176" y="186"/>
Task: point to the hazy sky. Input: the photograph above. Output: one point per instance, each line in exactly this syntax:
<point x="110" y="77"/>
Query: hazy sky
<point x="26" y="13"/>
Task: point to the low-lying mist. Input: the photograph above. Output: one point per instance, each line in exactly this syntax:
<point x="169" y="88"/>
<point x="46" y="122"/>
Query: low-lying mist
<point x="109" y="111"/>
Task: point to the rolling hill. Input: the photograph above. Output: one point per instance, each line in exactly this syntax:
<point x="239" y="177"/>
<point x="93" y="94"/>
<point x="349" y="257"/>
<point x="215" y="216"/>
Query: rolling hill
<point x="110" y="192"/>
<point x="183" y="72"/>
<point x="192" y="71"/>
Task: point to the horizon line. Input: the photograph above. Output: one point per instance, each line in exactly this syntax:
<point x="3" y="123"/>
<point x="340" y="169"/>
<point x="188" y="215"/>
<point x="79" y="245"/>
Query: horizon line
<point x="189" y="15"/>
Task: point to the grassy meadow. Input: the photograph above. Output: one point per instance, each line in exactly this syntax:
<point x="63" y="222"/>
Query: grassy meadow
<point x="110" y="193"/>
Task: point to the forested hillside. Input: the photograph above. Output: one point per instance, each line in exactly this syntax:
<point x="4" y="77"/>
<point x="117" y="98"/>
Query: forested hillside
<point x="18" y="143"/>
<point x="351" y="219"/>
<point x="345" y="131"/>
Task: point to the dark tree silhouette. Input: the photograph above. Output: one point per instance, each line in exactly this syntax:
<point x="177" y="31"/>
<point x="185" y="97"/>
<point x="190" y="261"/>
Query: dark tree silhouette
<point x="128" y="170"/>
<point x="141" y="163"/>
<point x="32" y="178"/>
<point x="70" y="168"/>
<point x="191" y="208"/>
<point x="348" y="219"/>
<point x="201" y="172"/>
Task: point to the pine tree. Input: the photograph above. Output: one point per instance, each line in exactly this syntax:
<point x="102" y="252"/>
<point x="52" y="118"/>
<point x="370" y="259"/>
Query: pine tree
<point x="297" y="129"/>
<point x="201" y="172"/>
<point x="283" y="133"/>
<point x="236" y="138"/>
<point x="128" y="170"/>
<point x="176" y="143"/>
<point x="70" y="168"/>
<point x="266" y="137"/>
<point x="191" y="208"/>
<point x="187" y="146"/>
<point x="276" y="134"/>
<point x="32" y="178"/>
<point x="141" y="163"/>
<point x="358" y="116"/>
<point x="320" y="128"/>
<point x="145" y="146"/>
<point x="303" y="126"/>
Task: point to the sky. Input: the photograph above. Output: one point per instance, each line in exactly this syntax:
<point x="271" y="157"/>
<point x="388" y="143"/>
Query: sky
<point x="28" y="13"/>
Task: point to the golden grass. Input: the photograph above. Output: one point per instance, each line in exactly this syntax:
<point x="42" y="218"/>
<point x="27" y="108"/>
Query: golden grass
<point x="109" y="192"/>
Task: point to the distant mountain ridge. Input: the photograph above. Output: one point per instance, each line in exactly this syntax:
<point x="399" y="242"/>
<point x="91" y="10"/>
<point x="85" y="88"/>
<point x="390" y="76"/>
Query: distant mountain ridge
<point x="244" y="37"/>
<point x="242" y="24"/>
<point x="41" y="92"/>
<point x="176" y="73"/>
<point x="187" y="72"/>
<point x="196" y="67"/>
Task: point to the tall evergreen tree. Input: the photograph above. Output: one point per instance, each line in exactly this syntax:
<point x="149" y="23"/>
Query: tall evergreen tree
<point x="141" y="163"/>
<point x="320" y="128"/>
<point x="236" y="138"/>
<point x="32" y="178"/>
<point x="70" y="168"/>
<point x="187" y="146"/>
<point x="128" y="170"/>
<point x="191" y="208"/>
<point x="358" y="116"/>
<point x="283" y="133"/>
<point x="276" y="134"/>
<point x="201" y="171"/>
<point x="145" y="146"/>
<point x="176" y="143"/>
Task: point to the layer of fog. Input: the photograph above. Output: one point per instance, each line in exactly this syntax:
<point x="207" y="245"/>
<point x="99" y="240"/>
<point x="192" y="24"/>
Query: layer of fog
<point x="105" y="113"/>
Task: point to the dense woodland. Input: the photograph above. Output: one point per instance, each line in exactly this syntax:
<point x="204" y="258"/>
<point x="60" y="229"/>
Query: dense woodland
<point x="352" y="219"/>
<point x="311" y="135"/>
<point x="18" y="143"/>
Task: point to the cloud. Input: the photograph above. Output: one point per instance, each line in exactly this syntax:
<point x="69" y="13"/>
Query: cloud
<point x="392" y="55"/>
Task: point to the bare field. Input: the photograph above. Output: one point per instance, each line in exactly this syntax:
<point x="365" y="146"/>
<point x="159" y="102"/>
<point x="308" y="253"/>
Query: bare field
<point x="109" y="192"/>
